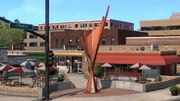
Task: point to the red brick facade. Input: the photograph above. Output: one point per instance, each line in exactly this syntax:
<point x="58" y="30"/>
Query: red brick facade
<point x="72" y="37"/>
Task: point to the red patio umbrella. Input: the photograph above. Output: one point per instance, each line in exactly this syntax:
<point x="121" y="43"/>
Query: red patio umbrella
<point x="6" y="67"/>
<point x="137" y="65"/>
<point x="20" y="70"/>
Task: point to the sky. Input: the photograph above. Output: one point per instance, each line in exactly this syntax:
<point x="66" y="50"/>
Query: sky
<point x="32" y="11"/>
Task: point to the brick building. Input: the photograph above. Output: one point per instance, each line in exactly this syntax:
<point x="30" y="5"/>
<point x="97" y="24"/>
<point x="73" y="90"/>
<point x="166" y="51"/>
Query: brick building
<point x="71" y="39"/>
<point x="87" y="25"/>
<point x="118" y="38"/>
<point x="34" y="43"/>
<point x="165" y="34"/>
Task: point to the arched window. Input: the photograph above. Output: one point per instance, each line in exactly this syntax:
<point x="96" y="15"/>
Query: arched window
<point x="103" y="41"/>
<point x="56" y="43"/>
<point x="77" y="41"/>
<point x="113" y="41"/>
<point x="70" y="42"/>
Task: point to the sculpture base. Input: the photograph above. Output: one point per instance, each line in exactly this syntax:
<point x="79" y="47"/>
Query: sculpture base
<point x="91" y="85"/>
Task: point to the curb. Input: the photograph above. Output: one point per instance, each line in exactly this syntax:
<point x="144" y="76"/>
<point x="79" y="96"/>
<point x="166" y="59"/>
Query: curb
<point x="174" y="99"/>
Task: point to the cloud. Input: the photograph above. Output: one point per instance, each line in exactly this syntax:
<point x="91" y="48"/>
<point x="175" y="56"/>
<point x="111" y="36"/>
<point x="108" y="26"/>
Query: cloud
<point x="30" y="11"/>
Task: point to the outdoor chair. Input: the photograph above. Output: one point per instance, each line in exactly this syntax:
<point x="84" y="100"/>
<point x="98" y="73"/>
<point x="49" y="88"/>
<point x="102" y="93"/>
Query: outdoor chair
<point x="37" y="82"/>
<point x="16" y="83"/>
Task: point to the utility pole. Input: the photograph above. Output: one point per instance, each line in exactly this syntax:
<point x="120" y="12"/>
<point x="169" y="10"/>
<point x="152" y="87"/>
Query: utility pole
<point x="46" y="49"/>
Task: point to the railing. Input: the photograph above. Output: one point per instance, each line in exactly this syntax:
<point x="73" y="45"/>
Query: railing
<point x="123" y="73"/>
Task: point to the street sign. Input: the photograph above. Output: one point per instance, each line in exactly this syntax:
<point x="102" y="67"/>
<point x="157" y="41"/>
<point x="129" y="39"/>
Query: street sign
<point x="21" y="26"/>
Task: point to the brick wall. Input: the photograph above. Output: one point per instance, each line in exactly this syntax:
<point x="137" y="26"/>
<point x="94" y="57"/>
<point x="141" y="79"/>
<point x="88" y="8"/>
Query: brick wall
<point x="153" y="40"/>
<point x="20" y="91"/>
<point x="136" y="48"/>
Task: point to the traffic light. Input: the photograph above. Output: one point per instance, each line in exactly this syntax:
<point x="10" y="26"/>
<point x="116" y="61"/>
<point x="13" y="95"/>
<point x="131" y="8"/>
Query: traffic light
<point x="50" y="58"/>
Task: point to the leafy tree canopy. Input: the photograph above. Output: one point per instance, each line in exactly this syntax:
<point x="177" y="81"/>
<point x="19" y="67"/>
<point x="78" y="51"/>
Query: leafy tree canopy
<point x="98" y="71"/>
<point x="10" y="36"/>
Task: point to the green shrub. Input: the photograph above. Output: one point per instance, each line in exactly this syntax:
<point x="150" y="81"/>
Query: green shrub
<point x="98" y="71"/>
<point x="174" y="89"/>
<point x="117" y="69"/>
<point x="60" y="78"/>
<point x="51" y="72"/>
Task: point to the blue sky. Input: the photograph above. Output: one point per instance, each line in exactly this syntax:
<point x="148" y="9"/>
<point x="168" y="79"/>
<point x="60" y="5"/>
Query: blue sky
<point x="32" y="11"/>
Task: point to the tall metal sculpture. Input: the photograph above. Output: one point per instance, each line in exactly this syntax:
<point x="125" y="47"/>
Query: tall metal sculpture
<point x="90" y="43"/>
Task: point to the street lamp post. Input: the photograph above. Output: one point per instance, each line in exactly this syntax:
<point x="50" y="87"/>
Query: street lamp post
<point x="46" y="49"/>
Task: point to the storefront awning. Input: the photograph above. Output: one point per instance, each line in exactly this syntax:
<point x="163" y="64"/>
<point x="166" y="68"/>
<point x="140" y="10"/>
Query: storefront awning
<point x="67" y="53"/>
<point x="142" y="58"/>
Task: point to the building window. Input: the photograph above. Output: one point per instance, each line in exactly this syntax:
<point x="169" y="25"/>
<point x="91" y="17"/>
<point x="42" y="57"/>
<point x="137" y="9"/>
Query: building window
<point x="177" y="27"/>
<point x="120" y="25"/>
<point x="90" y="25"/>
<point x="106" y="24"/>
<point x="70" y="42"/>
<point x="31" y="36"/>
<point x="55" y="27"/>
<point x="62" y="26"/>
<point x="56" y="43"/>
<point x="69" y="26"/>
<point x="42" y="43"/>
<point x="76" y="25"/>
<point x="112" y="24"/>
<point x="77" y="41"/>
<point x="41" y="27"/>
<point x="62" y="43"/>
<point x="126" y="27"/>
<point x="96" y="24"/>
<point x="149" y="28"/>
<point x="116" y="25"/>
<point x="103" y="41"/>
<point x="113" y="41"/>
<point x="65" y="26"/>
<point x="83" y="25"/>
<point x="25" y="44"/>
<point x="33" y="44"/>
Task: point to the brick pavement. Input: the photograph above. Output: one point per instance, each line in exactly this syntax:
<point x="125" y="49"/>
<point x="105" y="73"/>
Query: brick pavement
<point x="75" y="93"/>
<point x="159" y="95"/>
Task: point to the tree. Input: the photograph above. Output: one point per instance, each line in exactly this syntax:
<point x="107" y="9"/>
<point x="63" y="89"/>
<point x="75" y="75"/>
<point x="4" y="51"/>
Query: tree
<point x="17" y="21"/>
<point x="98" y="71"/>
<point x="8" y="36"/>
<point x="5" y="39"/>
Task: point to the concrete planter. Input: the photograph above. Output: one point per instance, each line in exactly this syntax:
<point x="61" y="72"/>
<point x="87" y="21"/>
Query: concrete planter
<point x="130" y="85"/>
<point x="55" y="87"/>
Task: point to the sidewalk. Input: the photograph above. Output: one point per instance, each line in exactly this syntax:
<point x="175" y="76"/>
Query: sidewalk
<point x="159" y="95"/>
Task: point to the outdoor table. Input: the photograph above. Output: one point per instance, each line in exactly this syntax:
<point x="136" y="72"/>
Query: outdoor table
<point x="6" y="82"/>
<point x="53" y="80"/>
<point x="3" y="82"/>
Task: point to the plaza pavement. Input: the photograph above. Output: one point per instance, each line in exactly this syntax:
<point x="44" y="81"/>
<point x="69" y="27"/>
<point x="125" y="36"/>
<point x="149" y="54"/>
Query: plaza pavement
<point x="159" y="95"/>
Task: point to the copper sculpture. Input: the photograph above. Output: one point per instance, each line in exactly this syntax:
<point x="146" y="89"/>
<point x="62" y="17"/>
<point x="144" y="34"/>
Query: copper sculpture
<point x="90" y="43"/>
